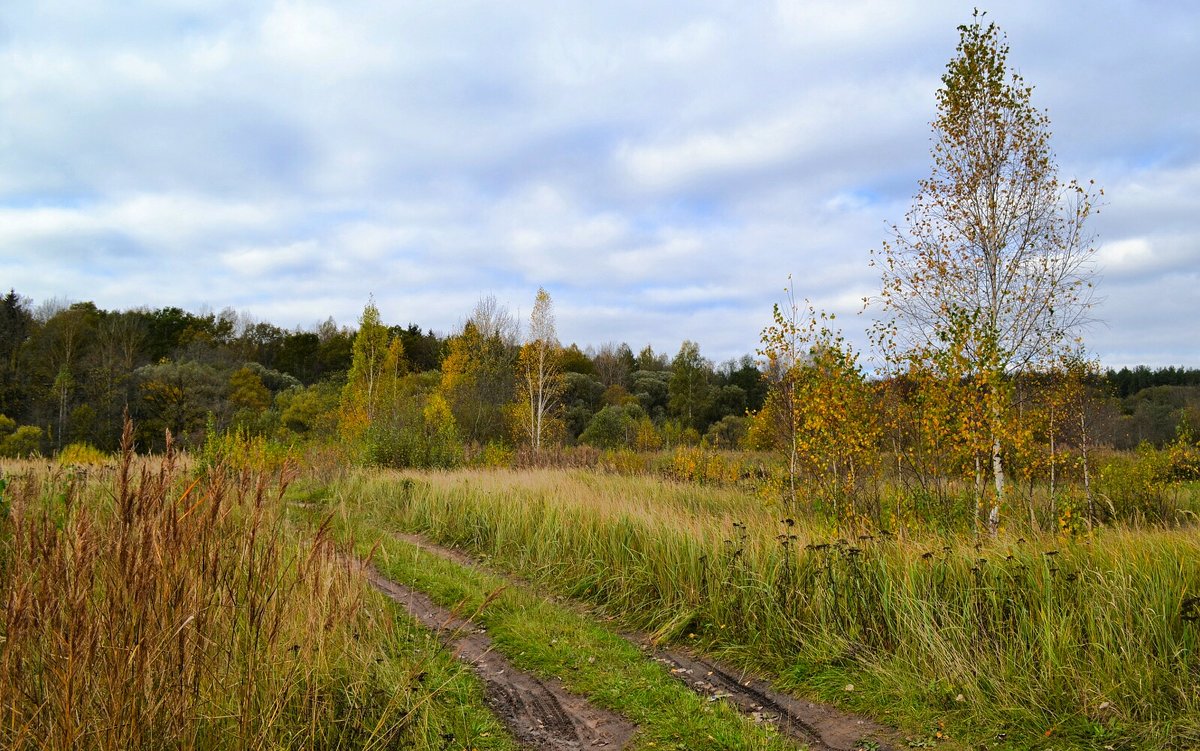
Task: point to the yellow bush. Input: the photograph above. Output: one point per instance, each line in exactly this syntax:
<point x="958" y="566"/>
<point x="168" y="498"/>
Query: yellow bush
<point x="81" y="453"/>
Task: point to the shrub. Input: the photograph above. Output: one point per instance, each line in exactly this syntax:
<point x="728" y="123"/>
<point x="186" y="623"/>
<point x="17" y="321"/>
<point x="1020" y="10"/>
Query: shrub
<point x="612" y="427"/>
<point x="81" y="453"/>
<point x="22" y="443"/>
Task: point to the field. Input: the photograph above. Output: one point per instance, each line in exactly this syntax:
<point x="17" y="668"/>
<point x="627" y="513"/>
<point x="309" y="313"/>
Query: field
<point x="221" y="601"/>
<point x="1013" y="642"/>
<point x="887" y="492"/>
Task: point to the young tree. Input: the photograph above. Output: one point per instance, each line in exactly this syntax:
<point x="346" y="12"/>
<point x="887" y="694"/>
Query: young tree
<point x="539" y="376"/>
<point x="478" y="372"/>
<point x="993" y="235"/>
<point x="68" y="332"/>
<point x="16" y="324"/>
<point x="649" y="361"/>
<point x="818" y="406"/>
<point x="247" y="390"/>
<point x="362" y="394"/>
<point x="959" y="387"/>
<point x="1074" y="372"/>
<point x="613" y="364"/>
<point x="118" y="345"/>
<point x="443" y="447"/>
<point x="782" y="347"/>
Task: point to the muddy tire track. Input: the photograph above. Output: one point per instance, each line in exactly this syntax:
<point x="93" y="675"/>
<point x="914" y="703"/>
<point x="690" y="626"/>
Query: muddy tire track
<point x="540" y="714"/>
<point x="820" y="726"/>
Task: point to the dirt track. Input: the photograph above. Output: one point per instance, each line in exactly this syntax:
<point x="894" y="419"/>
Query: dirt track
<point x="821" y="727"/>
<point x="540" y="714"/>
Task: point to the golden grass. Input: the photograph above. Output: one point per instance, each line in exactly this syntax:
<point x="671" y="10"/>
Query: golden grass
<point x="146" y="604"/>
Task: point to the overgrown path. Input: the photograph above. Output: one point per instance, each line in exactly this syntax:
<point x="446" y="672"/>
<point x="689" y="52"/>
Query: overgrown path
<point x="539" y="713"/>
<point x="816" y="725"/>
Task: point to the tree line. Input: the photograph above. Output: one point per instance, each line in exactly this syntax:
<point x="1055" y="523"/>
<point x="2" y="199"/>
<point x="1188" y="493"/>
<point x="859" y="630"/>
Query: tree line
<point x="70" y="370"/>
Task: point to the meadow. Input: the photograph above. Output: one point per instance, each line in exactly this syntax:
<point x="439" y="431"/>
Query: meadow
<point x="1023" y="640"/>
<point x="218" y="600"/>
<point x="377" y="535"/>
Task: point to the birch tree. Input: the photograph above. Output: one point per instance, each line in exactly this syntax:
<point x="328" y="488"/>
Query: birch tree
<point x="539" y="376"/>
<point x="993" y="235"/>
<point x="361" y="397"/>
<point x="817" y="410"/>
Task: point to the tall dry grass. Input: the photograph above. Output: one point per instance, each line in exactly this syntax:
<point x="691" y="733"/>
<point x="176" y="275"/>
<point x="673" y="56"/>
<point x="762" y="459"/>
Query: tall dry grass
<point x="146" y="605"/>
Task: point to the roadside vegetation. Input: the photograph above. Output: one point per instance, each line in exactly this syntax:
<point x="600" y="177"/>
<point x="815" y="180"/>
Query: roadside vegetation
<point x="157" y="603"/>
<point x="556" y="640"/>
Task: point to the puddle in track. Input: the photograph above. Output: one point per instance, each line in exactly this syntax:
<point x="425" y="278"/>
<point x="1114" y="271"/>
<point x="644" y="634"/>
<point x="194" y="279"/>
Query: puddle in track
<point x="540" y="714"/>
<point x="820" y="726"/>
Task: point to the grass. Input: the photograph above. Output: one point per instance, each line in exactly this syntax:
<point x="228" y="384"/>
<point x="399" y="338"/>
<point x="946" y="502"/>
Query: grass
<point x="1047" y="642"/>
<point x="153" y="604"/>
<point x="161" y="602"/>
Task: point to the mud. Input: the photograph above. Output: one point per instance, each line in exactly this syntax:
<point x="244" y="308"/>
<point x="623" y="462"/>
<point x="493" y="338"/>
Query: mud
<point x="820" y="726"/>
<point x="540" y="714"/>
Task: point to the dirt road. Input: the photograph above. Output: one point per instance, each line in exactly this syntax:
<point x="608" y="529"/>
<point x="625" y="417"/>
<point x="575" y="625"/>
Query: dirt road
<point x="821" y="727"/>
<point x="541" y="714"/>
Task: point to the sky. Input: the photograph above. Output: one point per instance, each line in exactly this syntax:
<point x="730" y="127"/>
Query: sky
<point x="661" y="168"/>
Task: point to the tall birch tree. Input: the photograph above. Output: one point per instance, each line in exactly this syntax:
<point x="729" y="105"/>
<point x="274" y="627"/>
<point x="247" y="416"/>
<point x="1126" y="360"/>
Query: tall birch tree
<point x="993" y="236"/>
<point x="361" y="396"/>
<point x="539" y="375"/>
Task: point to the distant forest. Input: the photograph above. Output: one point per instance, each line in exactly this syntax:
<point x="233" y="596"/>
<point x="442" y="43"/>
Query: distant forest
<point x="71" y="370"/>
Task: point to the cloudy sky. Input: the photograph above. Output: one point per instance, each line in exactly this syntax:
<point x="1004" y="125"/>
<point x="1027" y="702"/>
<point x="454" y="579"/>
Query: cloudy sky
<point x="661" y="168"/>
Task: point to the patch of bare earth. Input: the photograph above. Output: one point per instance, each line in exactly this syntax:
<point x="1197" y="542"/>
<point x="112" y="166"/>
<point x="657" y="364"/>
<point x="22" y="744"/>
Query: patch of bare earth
<point x="540" y="713"/>
<point x="821" y="726"/>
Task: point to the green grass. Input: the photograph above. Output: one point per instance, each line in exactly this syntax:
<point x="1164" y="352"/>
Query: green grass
<point x="1045" y="643"/>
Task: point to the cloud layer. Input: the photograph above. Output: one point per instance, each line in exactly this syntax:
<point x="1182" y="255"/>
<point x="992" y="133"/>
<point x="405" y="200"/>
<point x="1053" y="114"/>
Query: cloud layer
<point x="659" y="168"/>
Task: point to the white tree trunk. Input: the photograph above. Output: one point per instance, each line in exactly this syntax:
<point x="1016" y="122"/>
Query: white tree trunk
<point x="998" y="475"/>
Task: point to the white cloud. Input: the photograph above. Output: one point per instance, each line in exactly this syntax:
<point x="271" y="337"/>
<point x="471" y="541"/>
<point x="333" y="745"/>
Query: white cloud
<point x="272" y="259"/>
<point x="691" y="43"/>
<point x="835" y="23"/>
<point x="702" y="295"/>
<point x="749" y="146"/>
<point x="1126" y="255"/>
<point x="139" y="69"/>
<point x="208" y="55"/>
<point x="320" y="39"/>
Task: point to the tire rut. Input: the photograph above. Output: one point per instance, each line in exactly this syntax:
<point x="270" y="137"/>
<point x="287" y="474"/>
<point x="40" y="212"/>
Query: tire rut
<point x="540" y="714"/>
<point x="820" y="726"/>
